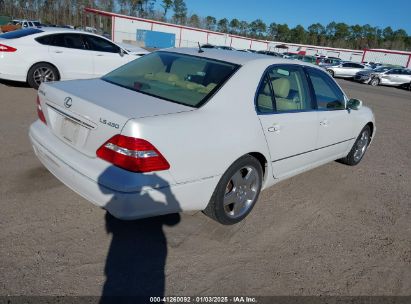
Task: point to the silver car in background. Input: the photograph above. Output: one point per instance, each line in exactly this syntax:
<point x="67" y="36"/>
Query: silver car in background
<point x="346" y="69"/>
<point x="365" y="76"/>
<point x="393" y="77"/>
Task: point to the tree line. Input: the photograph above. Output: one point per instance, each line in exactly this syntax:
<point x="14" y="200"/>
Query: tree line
<point x="340" y="35"/>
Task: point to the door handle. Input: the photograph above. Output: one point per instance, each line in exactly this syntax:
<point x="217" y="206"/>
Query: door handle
<point x="99" y="55"/>
<point x="324" y="123"/>
<point x="274" y="128"/>
<point x="58" y="52"/>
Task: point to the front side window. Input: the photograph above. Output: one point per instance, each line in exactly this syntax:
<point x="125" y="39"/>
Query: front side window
<point x="100" y="45"/>
<point x="286" y="87"/>
<point x="178" y="78"/>
<point x="327" y="93"/>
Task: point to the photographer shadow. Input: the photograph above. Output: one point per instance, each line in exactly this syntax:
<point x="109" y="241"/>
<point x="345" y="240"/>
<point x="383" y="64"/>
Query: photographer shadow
<point x="137" y="255"/>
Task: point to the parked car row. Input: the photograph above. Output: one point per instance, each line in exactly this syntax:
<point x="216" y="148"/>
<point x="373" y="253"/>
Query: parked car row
<point x="37" y="55"/>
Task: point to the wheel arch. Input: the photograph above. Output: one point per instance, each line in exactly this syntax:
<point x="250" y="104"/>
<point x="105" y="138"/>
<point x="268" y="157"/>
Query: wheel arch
<point x="47" y="62"/>
<point x="262" y="160"/>
<point x="371" y="125"/>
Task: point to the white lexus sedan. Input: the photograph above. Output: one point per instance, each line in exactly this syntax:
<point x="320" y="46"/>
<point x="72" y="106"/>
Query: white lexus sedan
<point x="189" y="129"/>
<point x="37" y="55"/>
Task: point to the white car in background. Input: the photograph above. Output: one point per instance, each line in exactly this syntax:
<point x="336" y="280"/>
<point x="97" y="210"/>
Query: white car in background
<point x="48" y="54"/>
<point x="192" y="129"/>
<point x="346" y="69"/>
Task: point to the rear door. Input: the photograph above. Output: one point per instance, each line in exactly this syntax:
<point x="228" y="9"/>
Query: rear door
<point x="70" y="56"/>
<point x="288" y="119"/>
<point x="335" y="121"/>
<point x="106" y="55"/>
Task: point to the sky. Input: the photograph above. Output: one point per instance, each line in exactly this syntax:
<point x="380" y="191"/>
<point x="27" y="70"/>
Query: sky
<point x="381" y="13"/>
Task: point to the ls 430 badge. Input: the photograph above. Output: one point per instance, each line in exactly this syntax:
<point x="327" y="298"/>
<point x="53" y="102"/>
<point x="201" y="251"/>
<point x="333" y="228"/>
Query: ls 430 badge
<point x="109" y="123"/>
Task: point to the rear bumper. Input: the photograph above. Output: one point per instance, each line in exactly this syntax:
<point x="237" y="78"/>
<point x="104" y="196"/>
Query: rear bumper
<point x="11" y="68"/>
<point x="143" y="201"/>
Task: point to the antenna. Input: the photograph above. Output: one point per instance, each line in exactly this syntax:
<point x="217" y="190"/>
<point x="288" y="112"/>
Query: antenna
<point x="200" y="50"/>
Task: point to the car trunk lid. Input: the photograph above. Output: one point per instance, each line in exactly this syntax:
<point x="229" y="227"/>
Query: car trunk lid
<point x="86" y="113"/>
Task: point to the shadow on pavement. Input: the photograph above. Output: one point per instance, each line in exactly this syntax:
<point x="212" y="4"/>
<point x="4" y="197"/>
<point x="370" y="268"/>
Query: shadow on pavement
<point x="137" y="255"/>
<point x="14" y="84"/>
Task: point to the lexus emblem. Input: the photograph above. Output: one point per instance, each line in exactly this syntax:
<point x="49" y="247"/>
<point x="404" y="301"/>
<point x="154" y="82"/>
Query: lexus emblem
<point x="68" y="101"/>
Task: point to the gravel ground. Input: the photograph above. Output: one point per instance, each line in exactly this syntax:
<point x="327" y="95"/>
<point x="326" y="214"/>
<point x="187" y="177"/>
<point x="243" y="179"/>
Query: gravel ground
<point x="335" y="230"/>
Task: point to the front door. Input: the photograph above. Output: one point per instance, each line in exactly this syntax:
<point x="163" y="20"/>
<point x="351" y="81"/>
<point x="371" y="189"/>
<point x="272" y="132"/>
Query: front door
<point x="288" y="119"/>
<point x="335" y="133"/>
<point x="106" y="55"/>
<point x="70" y="56"/>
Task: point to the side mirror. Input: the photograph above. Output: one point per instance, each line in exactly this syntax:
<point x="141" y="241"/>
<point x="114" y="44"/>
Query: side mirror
<point x="354" y="104"/>
<point x="122" y="53"/>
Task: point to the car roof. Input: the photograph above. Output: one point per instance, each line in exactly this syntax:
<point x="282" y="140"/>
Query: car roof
<point x="235" y="57"/>
<point x="56" y="30"/>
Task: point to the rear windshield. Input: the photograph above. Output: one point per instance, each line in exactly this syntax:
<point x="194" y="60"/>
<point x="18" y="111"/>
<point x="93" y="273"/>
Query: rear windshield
<point x="20" y="33"/>
<point x="183" y="79"/>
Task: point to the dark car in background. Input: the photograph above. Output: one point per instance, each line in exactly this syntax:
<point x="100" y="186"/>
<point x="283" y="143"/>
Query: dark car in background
<point x="366" y="75"/>
<point x="271" y="53"/>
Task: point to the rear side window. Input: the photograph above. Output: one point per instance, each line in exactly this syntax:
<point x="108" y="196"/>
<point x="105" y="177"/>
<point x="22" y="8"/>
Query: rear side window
<point x="183" y="79"/>
<point x="100" y="45"/>
<point x="327" y="93"/>
<point x="20" y="33"/>
<point x="72" y="41"/>
<point x="287" y="88"/>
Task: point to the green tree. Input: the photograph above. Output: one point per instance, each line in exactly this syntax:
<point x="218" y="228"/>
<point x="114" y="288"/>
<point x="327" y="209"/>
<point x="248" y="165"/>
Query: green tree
<point x="283" y="33"/>
<point x="330" y="33"/>
<point x="222" y="25"/>
<point x="194" y="21"/>
<point x="341" y="35"/>
<point x="210" y="23"/>
<point x="257" y="28"/>
<point x="355" y="36"/>
<point x="316" y="34"/>
<point x="272" y="31"/>
<point x="400" y="38"/>
<point x="234" y="26"/>
<point x="298" y="34"/>
<point x="166" y="5"/>
<point x="180" y="11"/>
<point x="243" y="28"/>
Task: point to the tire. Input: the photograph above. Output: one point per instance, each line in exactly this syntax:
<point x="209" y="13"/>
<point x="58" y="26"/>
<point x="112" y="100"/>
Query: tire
<point x="41" y="72"/>
<point x="359" y="148"/>
<point x="331" y="72"/>
<point x="375" y="82"/>
<point x="235" y="195"/>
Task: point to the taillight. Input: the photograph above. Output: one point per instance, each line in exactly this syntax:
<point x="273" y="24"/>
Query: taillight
<point x="40" y="113"/>
<point x="132" y="154"/>
<point x="6" y="48"/>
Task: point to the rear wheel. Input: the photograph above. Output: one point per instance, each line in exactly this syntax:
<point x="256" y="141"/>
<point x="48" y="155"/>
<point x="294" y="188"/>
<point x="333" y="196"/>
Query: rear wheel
<point x="41" y="72"/>
<point x="331" y="72"/>
<point x="375" y="82"/>
<point x="358" y="150"/>
<point x="237" y="191"/>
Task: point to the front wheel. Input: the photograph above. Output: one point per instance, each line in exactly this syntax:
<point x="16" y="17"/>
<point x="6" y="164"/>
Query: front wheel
<point x="331" y="72"/>
<point x="375" y="82"/>
<point x="237" y="191"/>
<point x="358" y="150"/>
<point x="41" y="72"/>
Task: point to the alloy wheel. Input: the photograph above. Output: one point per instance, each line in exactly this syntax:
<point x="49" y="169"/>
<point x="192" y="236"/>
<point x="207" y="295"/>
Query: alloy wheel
<point x="241" y="192"/>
